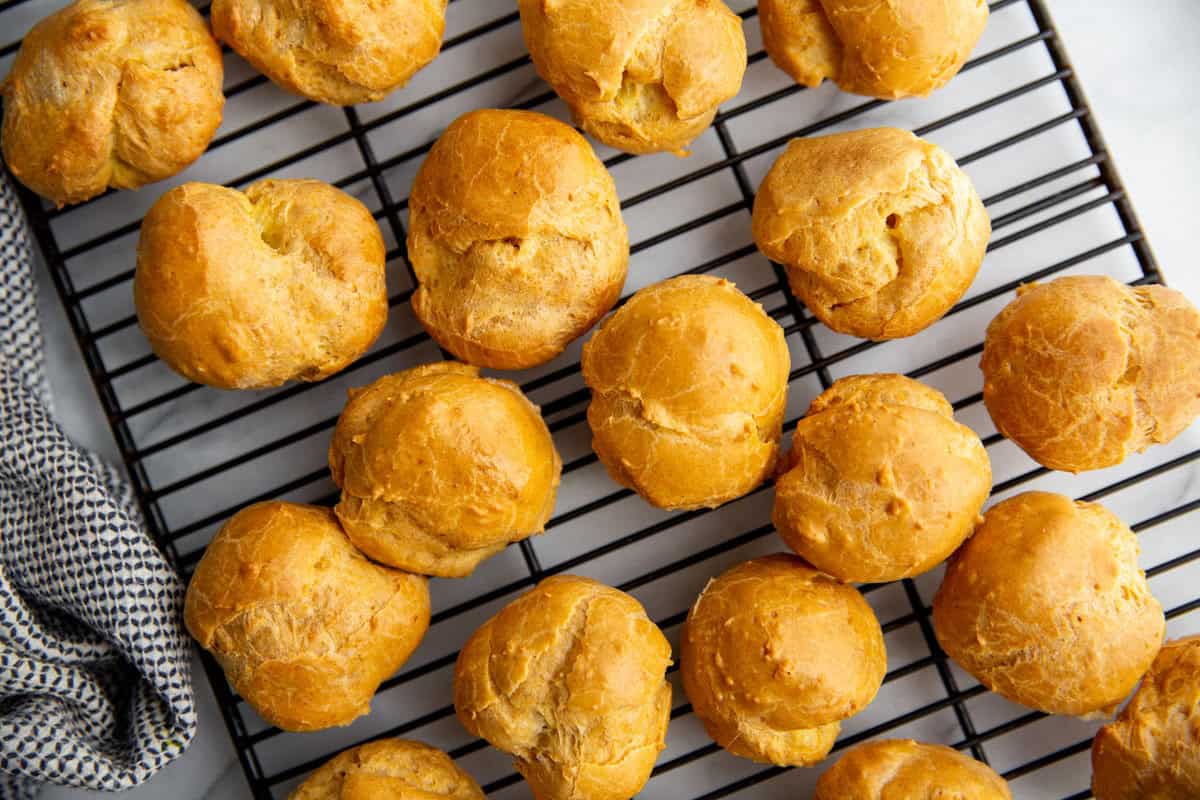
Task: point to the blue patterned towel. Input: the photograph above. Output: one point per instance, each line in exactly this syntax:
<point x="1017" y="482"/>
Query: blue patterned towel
<point x="95" y="687"/>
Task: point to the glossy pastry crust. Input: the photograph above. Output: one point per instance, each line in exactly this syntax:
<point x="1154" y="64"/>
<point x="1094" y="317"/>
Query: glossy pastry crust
<point x="640" y="75"/>
<point x="516" y="237"/>
<point x="881" y="483"/>
<point x="1152" y="751"/>
<point x="303" y="624"/>
<point x="901" y="769"/>
<point x="250" y="290"/>
<point x="110" y="93"/>
<point x="1046" y="606"/>
<point x="389" y="769"/>
<point x="1084" y="370"/>
<point x="775" y="654"/>
<point x="570" y="679"/>
<point x="689" y="380"/>
<point x="889" y="50"/>
<point x="334" y="51"/>
<point x="880" y="232"/>
<point x="440" y="468"/>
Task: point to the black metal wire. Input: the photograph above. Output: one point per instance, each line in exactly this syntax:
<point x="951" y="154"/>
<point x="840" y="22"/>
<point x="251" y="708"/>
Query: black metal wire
<point x="1098" y="186"/>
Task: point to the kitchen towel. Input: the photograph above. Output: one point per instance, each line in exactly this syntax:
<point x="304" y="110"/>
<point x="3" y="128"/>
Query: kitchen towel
<point x="95" y="685"/>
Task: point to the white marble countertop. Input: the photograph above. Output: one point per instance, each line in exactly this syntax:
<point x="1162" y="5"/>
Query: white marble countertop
<point x="1137" y="62"/>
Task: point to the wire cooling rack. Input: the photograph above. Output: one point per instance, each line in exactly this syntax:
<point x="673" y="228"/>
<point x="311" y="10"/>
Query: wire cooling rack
<point x="1015" y="119"/>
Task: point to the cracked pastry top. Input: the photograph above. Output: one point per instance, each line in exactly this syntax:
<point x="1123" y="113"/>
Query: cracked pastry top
<point x="441" y="468"/>
<point x="879" y="48"/>
<point x="881" y="483"/>
<point x="689" y="382"/>
<point x="901" y="769"/>
<point x="303" y="624"/>
<point x="1152" y="751"/>
<point x="400" y="769"/>
<point x="880" y="232"/>
<point x="110" y="93"/>
<point x="1084" y="370"/>
<point x="248" y="290"/>
<point x="340" y="52"/>
<point x="775" y="654"/>
<point x="569" y="678"/>
<point x="516" y="238"/>
<point x="1046" y="606"/>
<point x="642" y="76"/>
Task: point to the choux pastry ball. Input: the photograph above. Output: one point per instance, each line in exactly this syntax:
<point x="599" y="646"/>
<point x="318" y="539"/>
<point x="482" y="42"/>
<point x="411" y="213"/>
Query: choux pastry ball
<point x="441" y="468"/>
<point x="569" y="678"/>
<point x="1046" y="606"/>
<point x="881" y="482"/>
<point x="305" y="627"/>
<point x="902" y="48"/>
<point x="516" y="238"/>
<point x="1084" y="370"/>
<point x="1152" y="751"/>
<point x="250" y="290"/>
<point x="389" y="769"/>
<point x="334" y="51"/>
<point x="901" y="769"/>
<point x="689" y="381"/>
<point x="774" y="655"/>
<point x="110" y="94"/>
<point x="641" y="76"/>
<point x="880" y="232"/>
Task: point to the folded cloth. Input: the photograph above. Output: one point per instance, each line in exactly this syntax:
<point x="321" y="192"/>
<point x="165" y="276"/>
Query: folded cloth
<point x="95" y="687"/>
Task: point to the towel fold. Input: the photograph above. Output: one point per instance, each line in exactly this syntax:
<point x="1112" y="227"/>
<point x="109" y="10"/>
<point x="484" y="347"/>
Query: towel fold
<point x="95" y="684"/>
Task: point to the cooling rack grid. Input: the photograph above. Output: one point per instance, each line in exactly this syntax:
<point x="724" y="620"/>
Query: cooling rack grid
<point x="1015" y="119"/>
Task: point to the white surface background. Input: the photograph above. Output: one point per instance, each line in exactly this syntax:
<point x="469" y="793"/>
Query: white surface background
<point x="1139" y="65"/>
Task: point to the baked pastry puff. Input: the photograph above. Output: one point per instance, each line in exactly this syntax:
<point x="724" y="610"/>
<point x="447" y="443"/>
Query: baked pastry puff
<point x="110" y="94"/>
<point x="389" y="769"/>
<point x="570" y="679"/>
<point x="305" y="627"/>
<point x="334" y="51"/>
<point x="642" y="76"/>
<point x="441" y="468"/>
<point x="1084" y="370"/>
<point x="516" y="238"/>
<point x="901" y="48"/>
<point x="1152" y="751"/>
<point x="249" y="290"/>
<point x="881" y="482"/>
<point x="901" y="769"/>
<point x="689" y="381"/>
<point x="880" y="232"/>
<point x="775" y="654"/>
<point x="1046" y="605"/>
